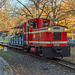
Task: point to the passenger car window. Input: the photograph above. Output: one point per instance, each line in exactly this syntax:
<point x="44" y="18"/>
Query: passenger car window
<point x="33" y="24"/>
<point x="45" y="23"/>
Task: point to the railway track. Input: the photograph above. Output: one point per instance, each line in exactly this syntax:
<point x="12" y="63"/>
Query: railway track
<point x="62" y="62"/>
<point x="67" y="64"/>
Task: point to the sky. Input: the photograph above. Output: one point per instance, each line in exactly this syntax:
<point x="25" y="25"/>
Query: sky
<point x="15" y="4"/>
<point x="23" y="1"/>
<point x="26" y="2"/>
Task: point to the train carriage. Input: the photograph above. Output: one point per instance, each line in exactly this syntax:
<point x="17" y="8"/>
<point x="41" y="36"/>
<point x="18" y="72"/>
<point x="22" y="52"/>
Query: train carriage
<point x="43" y="39"/>
<point x="4" y="38"/>
<point x="17" y="38"/>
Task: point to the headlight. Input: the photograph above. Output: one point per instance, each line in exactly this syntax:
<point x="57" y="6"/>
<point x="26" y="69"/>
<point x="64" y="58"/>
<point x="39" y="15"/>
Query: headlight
<point x="49" y="29"/>
<point x="65" y="29"/>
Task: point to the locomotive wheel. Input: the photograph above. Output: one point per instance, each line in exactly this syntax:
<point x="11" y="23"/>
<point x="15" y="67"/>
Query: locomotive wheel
<point x="40" y="51"/>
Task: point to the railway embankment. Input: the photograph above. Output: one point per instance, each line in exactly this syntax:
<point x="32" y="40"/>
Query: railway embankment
<point x="5" y="68"/>
<point x="25" y="64"/>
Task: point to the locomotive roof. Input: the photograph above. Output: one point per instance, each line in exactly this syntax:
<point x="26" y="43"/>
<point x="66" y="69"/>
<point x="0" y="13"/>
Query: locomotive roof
<point x="59" y="25"/>
<point x="38" y="18"/>
<point x="21" y="25"/>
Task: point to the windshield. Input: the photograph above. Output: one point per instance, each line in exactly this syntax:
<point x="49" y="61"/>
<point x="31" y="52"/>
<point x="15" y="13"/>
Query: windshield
<point x="45" y="23"/>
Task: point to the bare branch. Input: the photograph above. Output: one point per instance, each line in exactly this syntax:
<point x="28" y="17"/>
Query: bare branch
<point x="42" y="10"/>
<point x="26" y="13"/>
<point x="26" y="8"/>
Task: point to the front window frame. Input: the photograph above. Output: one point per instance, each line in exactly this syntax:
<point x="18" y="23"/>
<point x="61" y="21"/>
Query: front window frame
<point x="34" y="24"/>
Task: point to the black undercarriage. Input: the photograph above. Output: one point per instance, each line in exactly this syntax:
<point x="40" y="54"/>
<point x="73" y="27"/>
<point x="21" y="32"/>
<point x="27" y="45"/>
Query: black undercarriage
<point x="46" y="52"/>
<point x="51" y="52"/>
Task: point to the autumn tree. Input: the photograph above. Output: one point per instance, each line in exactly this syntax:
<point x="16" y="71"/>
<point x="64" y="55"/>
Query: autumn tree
<point x="41" y="8"/>
<point x="5" y="20"/>
<point x="49" y="9"/>
<point x="2" y="2"/>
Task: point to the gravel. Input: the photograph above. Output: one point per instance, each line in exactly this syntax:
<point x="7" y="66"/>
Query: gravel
<point x="24" y="64"/>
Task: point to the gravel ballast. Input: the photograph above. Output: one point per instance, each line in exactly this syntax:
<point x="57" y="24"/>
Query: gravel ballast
<point x="24" y="64"/>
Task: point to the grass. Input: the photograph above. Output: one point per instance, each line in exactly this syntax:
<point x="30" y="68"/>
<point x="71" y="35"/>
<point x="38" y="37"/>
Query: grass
<point x="6" y="54"/>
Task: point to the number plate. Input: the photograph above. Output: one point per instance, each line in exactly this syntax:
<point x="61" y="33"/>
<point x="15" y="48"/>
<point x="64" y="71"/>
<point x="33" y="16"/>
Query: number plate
<point x="56" y="44"/>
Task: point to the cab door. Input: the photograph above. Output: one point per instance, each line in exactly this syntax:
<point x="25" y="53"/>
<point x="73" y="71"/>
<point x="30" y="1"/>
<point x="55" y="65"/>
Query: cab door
<point x="27" y="33"/>
<point x="34" y="32"/>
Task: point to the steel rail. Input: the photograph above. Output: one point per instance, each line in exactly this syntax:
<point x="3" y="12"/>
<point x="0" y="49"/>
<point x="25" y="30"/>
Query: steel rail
<point x="68" y="64"/>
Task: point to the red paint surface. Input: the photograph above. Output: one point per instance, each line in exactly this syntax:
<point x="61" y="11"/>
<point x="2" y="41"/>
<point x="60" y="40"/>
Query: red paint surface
<point x="43" y="36"/>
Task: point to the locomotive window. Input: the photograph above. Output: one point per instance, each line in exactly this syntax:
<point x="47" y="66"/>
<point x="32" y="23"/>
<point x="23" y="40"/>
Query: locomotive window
<point x="33" y="24"/>
<point x="45" y="23"/>
<point x="57" y="36"/>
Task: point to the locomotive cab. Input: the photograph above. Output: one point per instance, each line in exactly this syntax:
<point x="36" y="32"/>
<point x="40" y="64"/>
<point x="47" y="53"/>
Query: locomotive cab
<point x="32" y="30"/>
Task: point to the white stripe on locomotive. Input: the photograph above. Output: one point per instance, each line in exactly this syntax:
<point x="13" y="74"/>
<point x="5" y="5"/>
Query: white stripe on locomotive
<point x="43" y="42"/>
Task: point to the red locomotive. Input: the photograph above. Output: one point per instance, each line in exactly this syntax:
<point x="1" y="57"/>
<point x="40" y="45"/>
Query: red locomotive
<point x="43" y="39"/>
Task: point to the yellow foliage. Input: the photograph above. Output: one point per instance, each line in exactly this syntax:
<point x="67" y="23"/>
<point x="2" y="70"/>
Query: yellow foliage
<point x="0" y="46"/>
<point x="6" y="23"/>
